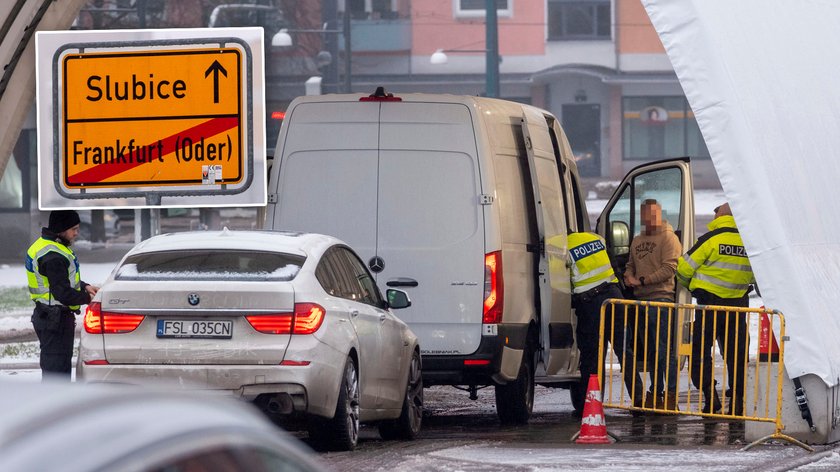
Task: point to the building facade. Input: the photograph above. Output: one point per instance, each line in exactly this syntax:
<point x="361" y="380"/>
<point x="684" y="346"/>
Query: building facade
<point x="598" y="65"/>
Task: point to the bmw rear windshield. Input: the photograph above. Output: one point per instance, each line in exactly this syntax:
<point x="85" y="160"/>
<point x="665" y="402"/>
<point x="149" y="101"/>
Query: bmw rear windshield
<point x="216" y="265"/>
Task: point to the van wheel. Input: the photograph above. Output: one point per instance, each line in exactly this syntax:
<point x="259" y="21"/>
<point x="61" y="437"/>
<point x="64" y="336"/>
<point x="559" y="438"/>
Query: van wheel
<point x="515" y="400"/>
<point x="577" y="391"/>
<point x="407" y="426"/>
<point x="341" y="432"/>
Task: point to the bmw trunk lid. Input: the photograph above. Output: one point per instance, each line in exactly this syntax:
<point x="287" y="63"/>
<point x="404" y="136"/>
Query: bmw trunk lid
<point x="195" y="322"/>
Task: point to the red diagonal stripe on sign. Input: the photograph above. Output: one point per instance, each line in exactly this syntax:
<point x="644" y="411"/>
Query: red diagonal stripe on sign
<point x="204" y="130"/>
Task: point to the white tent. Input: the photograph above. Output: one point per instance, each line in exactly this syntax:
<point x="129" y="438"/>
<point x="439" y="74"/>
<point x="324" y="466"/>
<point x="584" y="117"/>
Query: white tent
<point x="763" y="79"/>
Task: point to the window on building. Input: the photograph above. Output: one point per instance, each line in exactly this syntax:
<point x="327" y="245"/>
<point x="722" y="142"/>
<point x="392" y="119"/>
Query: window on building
<point x="660" y="127"/>
<point x="478" y="8"/>
<point x="579" y="19"/>
<point x="374" y="9"/>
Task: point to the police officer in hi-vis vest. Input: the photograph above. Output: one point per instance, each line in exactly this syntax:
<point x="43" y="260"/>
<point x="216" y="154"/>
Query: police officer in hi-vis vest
<point x="593" y="281"/>
<point x="52" y="272"/>
<point x="717" y="272"/>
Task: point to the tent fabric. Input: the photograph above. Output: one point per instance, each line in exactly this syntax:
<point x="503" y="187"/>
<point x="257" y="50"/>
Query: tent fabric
<point x="761" y="78"/>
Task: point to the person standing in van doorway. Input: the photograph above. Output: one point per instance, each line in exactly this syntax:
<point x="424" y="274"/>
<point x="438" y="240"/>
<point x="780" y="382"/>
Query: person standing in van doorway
<point x="593" y="281"/>
<point x="650" y="273"/>
<point x="52" y="272"/>
<point x="718" y="272"/>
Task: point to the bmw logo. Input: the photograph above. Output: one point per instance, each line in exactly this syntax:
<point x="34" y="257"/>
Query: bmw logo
<point x="193" y="299"/>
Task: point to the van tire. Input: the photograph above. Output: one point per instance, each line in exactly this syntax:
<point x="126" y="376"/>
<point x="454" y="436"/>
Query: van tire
<point x="341" y="432"/>
<point x="407" y="426"/>
<point x="515" y="400"/>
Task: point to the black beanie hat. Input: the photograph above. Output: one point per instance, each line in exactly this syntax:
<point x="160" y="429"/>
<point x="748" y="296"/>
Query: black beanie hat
<point x="62" y="220"/>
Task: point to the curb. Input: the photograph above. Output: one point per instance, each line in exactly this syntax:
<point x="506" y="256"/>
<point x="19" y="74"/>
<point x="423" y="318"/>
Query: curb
<point x="795" y="462"/>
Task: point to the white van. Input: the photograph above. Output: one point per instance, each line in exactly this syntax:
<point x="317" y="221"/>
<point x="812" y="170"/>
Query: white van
<point x="465" y="203"/>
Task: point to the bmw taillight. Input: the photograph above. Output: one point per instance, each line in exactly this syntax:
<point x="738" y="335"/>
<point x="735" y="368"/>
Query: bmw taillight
<point x="306" y="319"/>
<point x="103" y="322"/>
<point x="494" y="288"/>
<point x="272" y="324"/>
<point x="93" y="320"/>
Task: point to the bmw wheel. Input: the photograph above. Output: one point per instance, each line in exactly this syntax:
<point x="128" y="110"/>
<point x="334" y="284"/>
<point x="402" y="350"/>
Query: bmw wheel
<point x="341" y="432"/>
<point x="407" y="426"/>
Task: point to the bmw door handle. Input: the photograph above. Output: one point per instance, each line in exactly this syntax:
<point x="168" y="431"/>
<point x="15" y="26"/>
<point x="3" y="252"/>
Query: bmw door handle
<point x="402" y="282"/>
<point x="354" y="313"/>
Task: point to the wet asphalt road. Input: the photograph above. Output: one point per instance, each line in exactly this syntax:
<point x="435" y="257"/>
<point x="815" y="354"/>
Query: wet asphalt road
<point x="464" y="435"/>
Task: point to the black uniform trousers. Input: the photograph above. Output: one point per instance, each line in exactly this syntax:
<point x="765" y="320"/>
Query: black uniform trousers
<point x="55" y="327"/>
<point x="588" y="309"/>
<point x="708" y="327"/>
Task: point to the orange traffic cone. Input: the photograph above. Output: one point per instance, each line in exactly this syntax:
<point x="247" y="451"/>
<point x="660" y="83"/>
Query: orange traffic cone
<point x="593" y="426"/>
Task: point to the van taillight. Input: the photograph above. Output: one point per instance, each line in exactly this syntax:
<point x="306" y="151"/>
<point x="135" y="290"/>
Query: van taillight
<point x="494" y="288"/>
<point x="103" y="322"/>
<point x="306" y="319"/>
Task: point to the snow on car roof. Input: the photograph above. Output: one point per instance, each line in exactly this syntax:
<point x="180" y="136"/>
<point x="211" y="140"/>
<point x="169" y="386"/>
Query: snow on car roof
<point x="253" y="240"/>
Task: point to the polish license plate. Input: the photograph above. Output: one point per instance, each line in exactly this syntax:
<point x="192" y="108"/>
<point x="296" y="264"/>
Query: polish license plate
<point x="206" y="329"/>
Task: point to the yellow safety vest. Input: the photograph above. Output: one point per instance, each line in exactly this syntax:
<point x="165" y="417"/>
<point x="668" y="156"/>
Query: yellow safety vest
<point x="39" y="286"/>
<point x="589" y="262"/>
<point x="718" y="262"/>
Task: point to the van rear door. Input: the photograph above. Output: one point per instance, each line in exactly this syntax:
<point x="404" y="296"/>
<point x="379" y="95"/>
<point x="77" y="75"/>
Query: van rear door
<point x="430" y="225"/>
<point x="551" y="248"/>
<point x="328" y="175"/>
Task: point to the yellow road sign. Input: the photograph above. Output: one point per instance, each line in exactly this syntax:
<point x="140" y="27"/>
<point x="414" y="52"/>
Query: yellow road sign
<point x="152" y="118"/>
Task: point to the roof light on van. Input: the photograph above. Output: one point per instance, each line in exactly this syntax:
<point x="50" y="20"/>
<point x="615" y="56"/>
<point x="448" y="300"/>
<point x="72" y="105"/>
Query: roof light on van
<point x="278" y="115"/>
<point x="380" y="96"/>
<point x="494" y="288"/>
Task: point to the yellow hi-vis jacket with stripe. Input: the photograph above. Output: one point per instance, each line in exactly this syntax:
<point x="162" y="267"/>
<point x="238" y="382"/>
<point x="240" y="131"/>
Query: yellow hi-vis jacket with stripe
<point x="717" y="263"/>
<point x="589" y="262"/>
<point x="39" y="286"/>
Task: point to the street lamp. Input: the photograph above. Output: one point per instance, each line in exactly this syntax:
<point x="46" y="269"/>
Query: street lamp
<point x="492" y="52"/>
<point x="283" y="39"/>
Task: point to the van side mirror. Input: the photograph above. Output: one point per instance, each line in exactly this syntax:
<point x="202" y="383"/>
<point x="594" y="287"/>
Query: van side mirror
<point x="619" y="238"/>
<point x="397" y="299"/>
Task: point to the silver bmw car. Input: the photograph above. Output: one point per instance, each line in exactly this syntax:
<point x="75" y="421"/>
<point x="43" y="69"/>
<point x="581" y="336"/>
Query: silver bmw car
<point x="292" y="322"/>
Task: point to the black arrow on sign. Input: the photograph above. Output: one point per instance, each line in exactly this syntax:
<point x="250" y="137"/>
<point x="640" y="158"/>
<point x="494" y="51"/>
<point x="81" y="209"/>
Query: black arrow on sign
<point x="215" y="68"/>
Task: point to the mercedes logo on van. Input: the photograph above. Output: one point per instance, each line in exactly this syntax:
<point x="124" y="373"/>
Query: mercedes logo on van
<point x="376" y="264"/>
<point x="193" y="299"/>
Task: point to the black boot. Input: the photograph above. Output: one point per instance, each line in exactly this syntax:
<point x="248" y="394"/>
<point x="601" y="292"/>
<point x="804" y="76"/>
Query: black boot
<point x="714" y="406"/>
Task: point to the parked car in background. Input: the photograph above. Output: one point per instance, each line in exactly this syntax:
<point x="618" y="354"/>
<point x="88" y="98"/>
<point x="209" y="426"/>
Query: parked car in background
<point x="293" y="322"/>
<point x="111" y="219"/>
<point x="81" y="428"/>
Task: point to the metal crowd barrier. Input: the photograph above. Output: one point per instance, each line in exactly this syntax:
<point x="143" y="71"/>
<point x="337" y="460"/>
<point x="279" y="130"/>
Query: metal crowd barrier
<point x="646" y="328"/>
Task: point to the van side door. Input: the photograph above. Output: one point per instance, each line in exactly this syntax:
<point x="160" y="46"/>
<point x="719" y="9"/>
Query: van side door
<point x="552" y="274"/>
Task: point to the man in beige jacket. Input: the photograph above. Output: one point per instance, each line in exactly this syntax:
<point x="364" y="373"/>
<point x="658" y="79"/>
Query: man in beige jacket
<point x="650" y="272"/>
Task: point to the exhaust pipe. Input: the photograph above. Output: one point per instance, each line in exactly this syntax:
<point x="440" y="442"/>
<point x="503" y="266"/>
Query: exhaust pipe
<point x="280" y="404"/>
